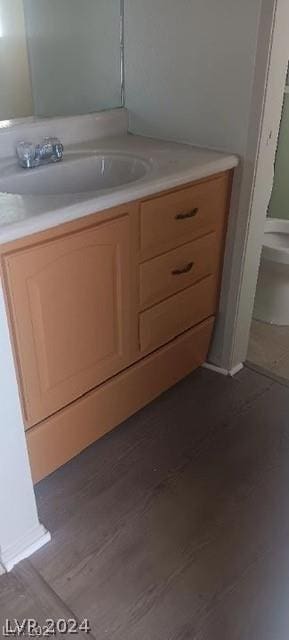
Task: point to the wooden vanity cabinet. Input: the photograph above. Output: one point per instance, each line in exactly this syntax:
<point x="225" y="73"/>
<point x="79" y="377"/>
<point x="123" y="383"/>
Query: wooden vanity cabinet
<point x="108" y="311"/>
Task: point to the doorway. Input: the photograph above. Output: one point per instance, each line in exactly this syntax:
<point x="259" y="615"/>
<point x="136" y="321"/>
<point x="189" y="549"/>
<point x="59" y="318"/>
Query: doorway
<point x="268" y="349"/>
<point x="257" y="182"/>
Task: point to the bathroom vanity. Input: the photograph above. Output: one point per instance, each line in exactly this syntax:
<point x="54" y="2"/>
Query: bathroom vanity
<point x="111" y="296"/>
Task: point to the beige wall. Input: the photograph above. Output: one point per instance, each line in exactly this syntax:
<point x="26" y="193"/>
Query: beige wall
<point x="15" y="85"/>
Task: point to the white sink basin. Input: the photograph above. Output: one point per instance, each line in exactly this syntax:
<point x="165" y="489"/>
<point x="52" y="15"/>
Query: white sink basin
<point x="74" y="174"/>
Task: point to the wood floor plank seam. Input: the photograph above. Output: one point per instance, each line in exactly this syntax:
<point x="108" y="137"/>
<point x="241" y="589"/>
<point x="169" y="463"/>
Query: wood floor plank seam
<point x="163" y="530"/>
<point x="200" y="447"/>
<point x="188" y="559"/>
<point x="203" y="444"/>
<point x="28" y="574"/>
<point x="233" y="587"/>
<point x="136" y="444"/>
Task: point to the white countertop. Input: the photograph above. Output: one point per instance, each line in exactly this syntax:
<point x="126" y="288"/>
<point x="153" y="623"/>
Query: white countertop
<point x="171" y="165"/>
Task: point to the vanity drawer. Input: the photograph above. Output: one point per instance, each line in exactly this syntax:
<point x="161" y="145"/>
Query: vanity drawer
<point x="167" y="274"/>
<point x="163" y="322"/>
<point x="173" y="219"/>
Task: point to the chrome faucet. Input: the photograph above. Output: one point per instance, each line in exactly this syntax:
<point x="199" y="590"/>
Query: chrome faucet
<point x="30" y="155"/>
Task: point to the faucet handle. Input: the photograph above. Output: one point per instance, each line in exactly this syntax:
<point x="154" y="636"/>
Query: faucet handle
<point x="30" y="155"/>
<point x="52" y="148"/>
<point x="58" y="149"/>
<point x="26" y="154"/>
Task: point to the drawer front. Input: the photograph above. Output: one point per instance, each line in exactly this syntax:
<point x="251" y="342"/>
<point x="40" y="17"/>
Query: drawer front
<point x="174" y="219"/>
<point x="165" y="275"/>
<point x="166" y="320"/>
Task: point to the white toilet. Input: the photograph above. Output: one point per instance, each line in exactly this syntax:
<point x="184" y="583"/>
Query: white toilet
<point x="272" y="295"/>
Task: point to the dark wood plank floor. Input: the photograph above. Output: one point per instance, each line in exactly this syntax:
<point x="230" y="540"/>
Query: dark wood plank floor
<point x="176" y="525"/>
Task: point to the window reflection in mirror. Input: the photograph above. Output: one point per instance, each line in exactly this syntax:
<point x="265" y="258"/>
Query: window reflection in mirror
<point x="59" y="57"/>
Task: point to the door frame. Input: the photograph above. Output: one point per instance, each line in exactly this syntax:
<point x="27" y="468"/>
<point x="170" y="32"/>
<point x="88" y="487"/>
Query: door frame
<point x="252" y="191"/>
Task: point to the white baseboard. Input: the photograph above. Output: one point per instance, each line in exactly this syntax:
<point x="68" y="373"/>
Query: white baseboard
<point x="224" y="372"/>
<point x="233" y="372"/>
<point x="24" y="548"/>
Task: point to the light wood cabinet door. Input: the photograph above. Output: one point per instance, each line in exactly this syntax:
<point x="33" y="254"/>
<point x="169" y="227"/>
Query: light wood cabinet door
<point x="70" y="312"/>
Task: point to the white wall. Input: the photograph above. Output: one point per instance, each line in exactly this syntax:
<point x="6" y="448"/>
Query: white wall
<point x="20" y="530"/>
<point x="273" y="43"/>
<point x="190" y="76"/>
<point x="15" y="85"/>
<point x="74" y="52"/>
<point x="189" y="69"/>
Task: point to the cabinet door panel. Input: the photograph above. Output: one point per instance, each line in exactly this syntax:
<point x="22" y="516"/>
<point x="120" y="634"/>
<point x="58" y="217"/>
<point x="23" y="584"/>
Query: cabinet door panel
<point x="70" y="306"/>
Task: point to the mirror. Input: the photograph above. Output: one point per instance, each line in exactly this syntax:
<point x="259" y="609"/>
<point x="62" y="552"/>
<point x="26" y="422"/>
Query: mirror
<point x="59" y="57"/>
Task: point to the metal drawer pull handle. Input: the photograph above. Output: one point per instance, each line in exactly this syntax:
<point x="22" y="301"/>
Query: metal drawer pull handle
<point x="186" y="269"/>
<point x="189" y="214"/>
